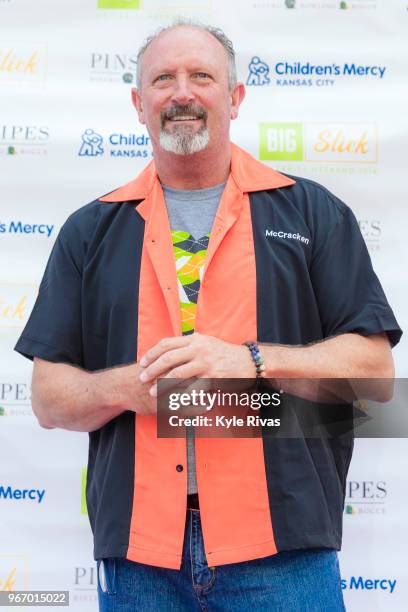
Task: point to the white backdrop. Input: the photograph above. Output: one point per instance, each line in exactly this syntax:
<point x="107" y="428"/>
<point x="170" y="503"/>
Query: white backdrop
<point x="326" y="99"/>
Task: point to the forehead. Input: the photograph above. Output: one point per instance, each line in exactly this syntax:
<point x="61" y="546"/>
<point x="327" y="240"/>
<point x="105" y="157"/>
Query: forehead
<point x="184" y="46"/>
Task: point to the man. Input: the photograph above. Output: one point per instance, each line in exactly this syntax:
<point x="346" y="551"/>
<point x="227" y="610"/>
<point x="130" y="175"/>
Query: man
<point x="205" y="240"/>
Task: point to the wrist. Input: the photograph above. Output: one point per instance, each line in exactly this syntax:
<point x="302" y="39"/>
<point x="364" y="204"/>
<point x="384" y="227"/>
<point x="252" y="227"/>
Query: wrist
<point x="282" y="361"/>
<point x="257" y="358"/>
<point x="118" y="387"/>
<point x="248" y="368"/>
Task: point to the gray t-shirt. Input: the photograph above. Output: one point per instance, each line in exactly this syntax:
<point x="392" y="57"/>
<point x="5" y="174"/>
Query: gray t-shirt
<point x="192" y="211"/>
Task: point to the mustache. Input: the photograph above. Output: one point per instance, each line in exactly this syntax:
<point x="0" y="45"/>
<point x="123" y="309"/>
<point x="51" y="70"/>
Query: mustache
<point x="179" y="110"/>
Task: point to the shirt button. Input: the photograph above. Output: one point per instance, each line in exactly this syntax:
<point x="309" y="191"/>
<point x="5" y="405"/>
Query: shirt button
<point x="179" y="468"/>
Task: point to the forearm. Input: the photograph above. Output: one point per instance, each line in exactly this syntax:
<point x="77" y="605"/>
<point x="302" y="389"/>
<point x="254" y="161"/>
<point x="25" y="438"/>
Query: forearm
<point x="342" y="368"/>
<point x="344" y="356"/>
<point x="71" y="398"/>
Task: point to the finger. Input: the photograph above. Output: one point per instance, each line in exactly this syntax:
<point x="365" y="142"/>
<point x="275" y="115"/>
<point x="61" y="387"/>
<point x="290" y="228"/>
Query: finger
<point x="199" y="384"/>
<point x="168" y="385"/>
<point x="181" y="377"/>
<point x="164" y="345"/>
<point x="168" y="361"/>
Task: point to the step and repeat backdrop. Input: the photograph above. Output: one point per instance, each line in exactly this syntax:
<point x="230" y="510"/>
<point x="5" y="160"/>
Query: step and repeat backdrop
<point x="326" y="99"/>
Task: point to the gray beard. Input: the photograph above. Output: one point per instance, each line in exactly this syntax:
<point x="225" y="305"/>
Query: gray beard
<point x="184" y="141"/>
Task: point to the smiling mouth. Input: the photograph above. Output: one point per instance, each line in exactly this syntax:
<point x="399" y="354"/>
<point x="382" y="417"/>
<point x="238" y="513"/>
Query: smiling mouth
<point x="180" y="113"/>
<point x="184" y="118"/>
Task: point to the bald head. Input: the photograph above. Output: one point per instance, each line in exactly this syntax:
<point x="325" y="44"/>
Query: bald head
<point x="214" y="34"/>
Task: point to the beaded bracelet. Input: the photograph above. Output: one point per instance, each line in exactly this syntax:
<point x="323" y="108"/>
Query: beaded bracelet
<point x="257" y="358"/>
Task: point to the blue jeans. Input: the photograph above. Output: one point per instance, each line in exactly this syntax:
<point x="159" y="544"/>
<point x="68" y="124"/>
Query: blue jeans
<point x="295" y="581"/>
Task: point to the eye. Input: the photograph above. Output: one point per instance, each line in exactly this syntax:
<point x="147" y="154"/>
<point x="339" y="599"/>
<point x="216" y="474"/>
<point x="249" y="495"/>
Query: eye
<point x="163" y="77"/>
<point x="201" y="75"/>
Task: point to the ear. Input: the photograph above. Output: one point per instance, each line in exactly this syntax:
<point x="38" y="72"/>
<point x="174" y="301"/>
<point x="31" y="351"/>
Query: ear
<point x="237" y="95"/>
<point x="137" y="103"/>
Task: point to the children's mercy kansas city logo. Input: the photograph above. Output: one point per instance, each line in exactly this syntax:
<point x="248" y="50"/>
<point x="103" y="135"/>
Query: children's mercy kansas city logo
<point x="9" y="492"/>
<point x="91" y="144"/>
<point x="258" y="72"/>
<point x="270" y="233"/>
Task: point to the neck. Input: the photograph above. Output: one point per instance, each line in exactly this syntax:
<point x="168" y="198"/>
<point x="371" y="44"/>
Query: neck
<point x="196" y="171"/>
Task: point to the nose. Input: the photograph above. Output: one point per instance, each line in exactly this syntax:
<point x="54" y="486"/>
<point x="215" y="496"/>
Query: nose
<point x="182" y="93"/>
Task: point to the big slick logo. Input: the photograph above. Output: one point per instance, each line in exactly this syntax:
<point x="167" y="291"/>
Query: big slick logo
<point x="128" y="5"/>
<point x="15" y="399"/>
<point x="118" y="145"/>
<point x="13" y="573"/>
<point x="23" y="139"/>
<point x="365" y="497"/>
<point x="284" y="73"/>
<point x="319" y="143"/>
<point x="16" y="303"/>
<point x="113" y="67"/>
<point x="122" y="9"/>
<point x="23" y="63"/>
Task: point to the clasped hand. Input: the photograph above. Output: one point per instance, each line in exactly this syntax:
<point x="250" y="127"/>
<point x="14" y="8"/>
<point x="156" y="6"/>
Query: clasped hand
<point x="195" y="356"/>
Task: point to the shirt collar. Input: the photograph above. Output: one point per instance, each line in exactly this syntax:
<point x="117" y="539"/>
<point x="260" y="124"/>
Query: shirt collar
<point x="247" y="172"/>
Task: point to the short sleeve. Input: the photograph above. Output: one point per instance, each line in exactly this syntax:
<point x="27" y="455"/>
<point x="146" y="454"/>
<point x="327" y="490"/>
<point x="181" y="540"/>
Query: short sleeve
<point x="53" y="331"/>
<point x="349" y="295"/>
